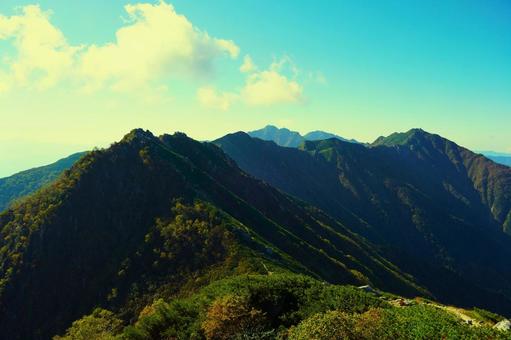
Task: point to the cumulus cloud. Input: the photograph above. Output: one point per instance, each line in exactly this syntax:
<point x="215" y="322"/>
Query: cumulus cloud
<point x="156" y="42"/>
<point x="154" y="46"/>
<point x="272" y="86"/>
<point x="211" y="98"/>
<point x="276" y="85"/>
<point x="43" y="56"/>
<point x="248" y="65"/>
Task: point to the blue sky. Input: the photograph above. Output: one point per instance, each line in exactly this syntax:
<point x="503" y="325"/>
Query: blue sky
<point x="360" y="69"/>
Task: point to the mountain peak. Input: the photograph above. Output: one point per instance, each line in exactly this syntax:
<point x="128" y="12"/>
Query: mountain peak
<point x="280" y="136"/>
<point x="138" y="134"/>
<point x="403" y="138"/>
<point x="289" y="138"/>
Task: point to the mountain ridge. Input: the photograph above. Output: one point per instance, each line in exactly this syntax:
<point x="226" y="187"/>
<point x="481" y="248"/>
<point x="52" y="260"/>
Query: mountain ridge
<point x="288" y="138"/>
<point x="416" y="191"/>
<point x="94" y="231"/>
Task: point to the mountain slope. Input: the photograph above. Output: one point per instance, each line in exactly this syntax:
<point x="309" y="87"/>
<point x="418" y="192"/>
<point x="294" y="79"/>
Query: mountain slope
<point x="491" y="181"/>
<point x="149" y="216"/>
<point x="28" y="181"/>
<point x="436" y="208"/>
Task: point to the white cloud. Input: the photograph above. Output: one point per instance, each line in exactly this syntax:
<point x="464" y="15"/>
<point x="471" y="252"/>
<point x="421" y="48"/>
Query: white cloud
<point x="211" y="98"/>
<point x="276" y="85"/>
<point x="273" y="86"/>
<point x="248" y="65"/>
<point x="157" y="42"/>
<point x="43" y="56"/>
<point x="154" y="44"/>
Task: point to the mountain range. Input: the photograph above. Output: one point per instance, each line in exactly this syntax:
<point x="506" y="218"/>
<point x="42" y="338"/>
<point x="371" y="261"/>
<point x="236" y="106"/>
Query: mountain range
<point x="165" y="235"/>
<point x="498" y="157"/>
<point x="95" y="229"/>
<point x="289" y="138"/>
<point x="432" y="205"/>
<point x="286" y="137"/>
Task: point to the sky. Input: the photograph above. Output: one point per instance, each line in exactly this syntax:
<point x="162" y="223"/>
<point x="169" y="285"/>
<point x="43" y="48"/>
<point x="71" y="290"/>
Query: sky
<point x="81" y="74"/>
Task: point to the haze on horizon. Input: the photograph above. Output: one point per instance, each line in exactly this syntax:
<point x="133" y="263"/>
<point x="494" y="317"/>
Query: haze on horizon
<point x="76" y="76"/>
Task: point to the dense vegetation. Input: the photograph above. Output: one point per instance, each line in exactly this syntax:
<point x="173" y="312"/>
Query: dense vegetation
<point x="436" y="209"/>
<point x="151" y="217"/>
<point x="28" y="181"/>
<point x="279" y="306"/>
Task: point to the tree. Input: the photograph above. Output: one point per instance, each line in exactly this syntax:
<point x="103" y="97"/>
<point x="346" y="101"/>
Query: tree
<point x="231" y="315"/>
<point x="100" y="325"/>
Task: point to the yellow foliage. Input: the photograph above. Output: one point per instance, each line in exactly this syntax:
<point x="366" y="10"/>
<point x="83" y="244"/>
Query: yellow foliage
<point x="230" y="315"/>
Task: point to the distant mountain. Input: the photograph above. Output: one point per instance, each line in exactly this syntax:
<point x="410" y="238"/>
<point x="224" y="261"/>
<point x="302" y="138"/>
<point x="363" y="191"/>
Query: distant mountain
<point x="495" y="154"/>
<point x="320" y="135"/>
<point x="440" y="211"/>
<point x="151" y="216"/>
<point x="504" y="160"/>
<point x="288" y="138"/>
<point x="28" y="181"/>
<point x="498" y="157"/>
<point x="283" y="136"/>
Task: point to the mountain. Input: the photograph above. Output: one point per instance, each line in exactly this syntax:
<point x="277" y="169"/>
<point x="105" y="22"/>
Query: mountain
<point x="28" y="181"/>
<point x="151" y="217"/>
<point x="293" y="139"/>
<point x="495" y="154"/>
<point x="498" y="157"/>
<point x="504" y="160"/>
<point x="283" y="136"/>
<point x="490" y="182"/>
<point x="439" y="211"/>
<point x="320" y="135"/>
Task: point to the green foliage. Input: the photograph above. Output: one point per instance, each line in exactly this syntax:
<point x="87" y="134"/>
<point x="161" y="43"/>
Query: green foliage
<point x="231" y="315"/>
<point x="420" y="322"/>
<point x="398" y="138"/>
<point x="331" y="325"/>
<point x="413" y="322"/>
<point x="18" y="224"/>
<point x="293" y="306"/>
<point x="100" y="325"/>
<point x="194" y="237"/>
<point x="256" y="304"/>
<point x="26" y="182"/>
<point x="484" y="315"/>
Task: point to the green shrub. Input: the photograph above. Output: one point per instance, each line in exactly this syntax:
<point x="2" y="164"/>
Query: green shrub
<point x="100" y="325"/>
<point x="276" y="301"/>
<point x="331" y="325"/>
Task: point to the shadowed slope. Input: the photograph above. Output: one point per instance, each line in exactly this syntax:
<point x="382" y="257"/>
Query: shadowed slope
<point x="436" y="208"/>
